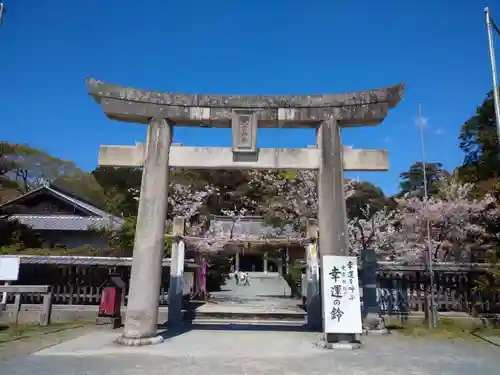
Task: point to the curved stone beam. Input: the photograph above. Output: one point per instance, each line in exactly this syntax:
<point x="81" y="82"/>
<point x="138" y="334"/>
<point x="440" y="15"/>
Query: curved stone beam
<point x="390" y="95"/>
<point x="351" y="109"/>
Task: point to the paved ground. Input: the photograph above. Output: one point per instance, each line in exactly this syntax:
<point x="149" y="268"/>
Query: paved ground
<point x="257" y="350"/>
<point x="249" y="350"/>
<point x="24" y="347"/>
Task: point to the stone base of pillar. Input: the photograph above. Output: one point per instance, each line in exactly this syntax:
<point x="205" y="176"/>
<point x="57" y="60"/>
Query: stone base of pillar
<point x="373" y="324"/>
<point x="126" y="341"/>
<point x="367" y="332"/>
<point x="339" y="341"/>
<point x="314" y="318"/>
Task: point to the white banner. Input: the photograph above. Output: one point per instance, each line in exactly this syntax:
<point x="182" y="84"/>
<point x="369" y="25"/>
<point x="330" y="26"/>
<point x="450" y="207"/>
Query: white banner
<point x="312" y="263"/>
<point x="178" y="254"/>
<point x="340" y="294"/>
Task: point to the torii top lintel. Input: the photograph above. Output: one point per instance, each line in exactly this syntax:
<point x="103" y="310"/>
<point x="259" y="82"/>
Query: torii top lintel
<point x="350" y="109"/>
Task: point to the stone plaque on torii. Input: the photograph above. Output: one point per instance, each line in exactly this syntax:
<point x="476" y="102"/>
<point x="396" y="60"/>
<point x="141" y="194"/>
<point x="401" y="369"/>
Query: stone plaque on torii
<point x="162" y="111"/>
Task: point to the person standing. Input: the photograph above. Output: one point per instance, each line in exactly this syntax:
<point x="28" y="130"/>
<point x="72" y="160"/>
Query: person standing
<point x="247" y="279"/>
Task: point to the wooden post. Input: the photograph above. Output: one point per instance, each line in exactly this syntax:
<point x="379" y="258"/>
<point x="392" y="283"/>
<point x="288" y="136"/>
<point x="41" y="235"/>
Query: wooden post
<point x="17" y="306"/>
<point x="314" y="318"/>
<point x="237" y="261"/>
<point x="287" y="260"/>
<point x="3" y="303"/>
<point x="46" y="309"/>
<point x="372" y="322"/>
<point x="175" y="290"/>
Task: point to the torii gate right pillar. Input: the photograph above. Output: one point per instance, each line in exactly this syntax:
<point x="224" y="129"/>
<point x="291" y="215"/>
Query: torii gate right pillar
<point x="332" y="215"/>
<point x="332" y="212"/>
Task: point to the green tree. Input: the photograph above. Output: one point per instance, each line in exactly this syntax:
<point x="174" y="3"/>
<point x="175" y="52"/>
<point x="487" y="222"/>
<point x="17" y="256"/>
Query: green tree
<point x="15" y="235"/>
<point x="367" y="195"/>
<point x="6" y="163"/>
<point x="234" y="191"/>
<point x="479" y="142"/>
<point x="30" y="168"/>
<point x="83" y="186"/>
<point x="8" y="187"/>
<point x="118" y="185"/>
<point x="413" y="180"/>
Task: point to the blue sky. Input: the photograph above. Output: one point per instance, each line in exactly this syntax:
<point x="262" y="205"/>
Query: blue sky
<point x="47" y="48"/>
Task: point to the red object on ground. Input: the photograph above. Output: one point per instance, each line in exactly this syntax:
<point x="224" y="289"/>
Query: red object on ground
<point x="110" y="302"/>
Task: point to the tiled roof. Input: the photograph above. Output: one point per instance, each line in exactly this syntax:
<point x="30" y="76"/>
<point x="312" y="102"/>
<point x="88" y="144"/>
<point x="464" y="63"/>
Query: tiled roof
<point x="78" y="202"/>
<point x="189" y="264"/>
<point x="250" y="225"/>
<point x="67" y="222"/>
<point x="100" y="220"/>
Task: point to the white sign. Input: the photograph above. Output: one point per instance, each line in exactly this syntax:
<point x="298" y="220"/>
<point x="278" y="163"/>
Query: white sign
<point x="340" y="291"/>
<point x="9" y="268"/>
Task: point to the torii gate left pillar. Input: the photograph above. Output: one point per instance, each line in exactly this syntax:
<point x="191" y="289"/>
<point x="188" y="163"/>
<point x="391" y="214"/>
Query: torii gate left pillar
<point x="244" y="114"/>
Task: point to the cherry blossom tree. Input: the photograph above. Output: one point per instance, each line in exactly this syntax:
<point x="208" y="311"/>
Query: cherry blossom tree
<point x="183" y="200"/>
<point x="290" y="197"/>
<point x="285" y="197"/>
<point x="373" y="230"/>
<point x="454" y="220"/>
<point x="186" y="202"/>
<point x="457" y="223"/>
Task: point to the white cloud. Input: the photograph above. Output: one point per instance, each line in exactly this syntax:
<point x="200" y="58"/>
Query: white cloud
<point x="425" y="122"/>
<point x="440" y="131"/>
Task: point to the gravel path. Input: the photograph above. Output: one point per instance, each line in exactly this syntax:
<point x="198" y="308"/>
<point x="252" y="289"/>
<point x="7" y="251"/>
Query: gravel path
<point x="211" y="351"/>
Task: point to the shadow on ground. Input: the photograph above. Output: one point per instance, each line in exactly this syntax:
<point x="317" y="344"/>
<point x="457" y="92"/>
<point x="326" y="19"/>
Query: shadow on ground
<point x="485" y="339"/>
<point x="188" y="327"/>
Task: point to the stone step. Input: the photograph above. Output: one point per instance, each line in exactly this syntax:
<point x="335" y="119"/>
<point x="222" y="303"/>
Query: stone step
<point x="253" y="322"/>
<point x="264" y="275"/>
<point x="248" y="316"/>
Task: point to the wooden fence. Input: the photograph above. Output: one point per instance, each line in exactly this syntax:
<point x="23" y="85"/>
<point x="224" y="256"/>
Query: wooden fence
<point x="401" y="288"/>
<point x="80" y="283"/>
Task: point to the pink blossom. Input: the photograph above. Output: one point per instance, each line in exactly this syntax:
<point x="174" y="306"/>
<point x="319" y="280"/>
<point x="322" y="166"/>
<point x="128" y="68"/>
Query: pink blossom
<point x="454" y="221"/>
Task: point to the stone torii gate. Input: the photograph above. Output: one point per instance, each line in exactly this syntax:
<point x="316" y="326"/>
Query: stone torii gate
<point x="162" y="111"/>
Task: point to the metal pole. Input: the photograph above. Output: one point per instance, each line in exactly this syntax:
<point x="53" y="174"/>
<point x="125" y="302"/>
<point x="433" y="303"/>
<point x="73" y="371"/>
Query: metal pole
<point x="2" y="8"/>
<point x="493" y="69"/>
<point x="432" y="315"/>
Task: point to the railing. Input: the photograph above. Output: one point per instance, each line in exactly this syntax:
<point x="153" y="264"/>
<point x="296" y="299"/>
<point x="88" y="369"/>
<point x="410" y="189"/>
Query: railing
<point x="82" y="283"/>
<point x="19" y="290"/>
<point x="402" y="288"/>
<point x="403" y="292"/>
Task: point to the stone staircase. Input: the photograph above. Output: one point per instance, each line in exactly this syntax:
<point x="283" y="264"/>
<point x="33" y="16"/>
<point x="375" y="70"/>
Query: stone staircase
<point x="261" y="285"/>
<point x="266" y="301"/>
